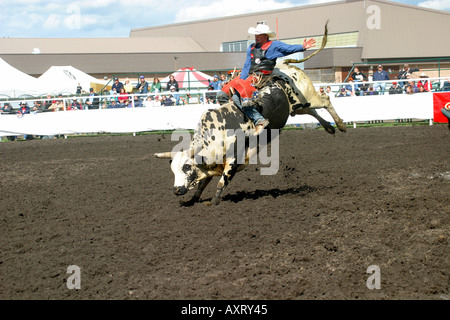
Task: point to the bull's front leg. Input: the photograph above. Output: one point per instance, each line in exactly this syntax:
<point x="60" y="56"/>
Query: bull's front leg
<point x="227" y="175"/>
<point x="196" y="197"/>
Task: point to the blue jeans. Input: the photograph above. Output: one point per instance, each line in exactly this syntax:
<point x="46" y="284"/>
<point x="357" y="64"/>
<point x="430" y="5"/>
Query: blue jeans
<point x="381" y="85"/>
<point x="249" y="111"/>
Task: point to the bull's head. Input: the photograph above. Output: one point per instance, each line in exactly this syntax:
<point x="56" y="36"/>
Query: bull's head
<point x="184" y="168"/>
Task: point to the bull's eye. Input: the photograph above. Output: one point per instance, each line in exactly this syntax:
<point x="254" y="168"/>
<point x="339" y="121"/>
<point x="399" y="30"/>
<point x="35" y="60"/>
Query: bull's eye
<point x="186" y="168"/>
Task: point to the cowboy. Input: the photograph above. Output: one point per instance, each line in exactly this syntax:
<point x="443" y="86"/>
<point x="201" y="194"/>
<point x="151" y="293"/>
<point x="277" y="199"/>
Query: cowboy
<point x="260" y="62"/>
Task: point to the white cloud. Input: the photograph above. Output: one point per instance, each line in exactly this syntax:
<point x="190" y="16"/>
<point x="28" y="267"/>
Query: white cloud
<point x="214" y="9"/>
<point x="436" y="4"/>
<point x="227" y="8"/>
<point x="53" y="21"/>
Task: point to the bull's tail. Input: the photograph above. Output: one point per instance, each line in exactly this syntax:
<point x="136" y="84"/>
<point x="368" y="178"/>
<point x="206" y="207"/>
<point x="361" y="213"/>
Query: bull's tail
<point x="324" y="42"/>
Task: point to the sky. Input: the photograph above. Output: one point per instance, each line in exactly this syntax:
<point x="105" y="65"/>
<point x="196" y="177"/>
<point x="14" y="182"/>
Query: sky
<point x="115" y="18"/>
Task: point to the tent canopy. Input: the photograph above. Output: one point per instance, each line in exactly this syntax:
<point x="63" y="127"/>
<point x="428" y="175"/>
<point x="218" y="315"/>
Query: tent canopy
<point x="15" y="83"/>
<point x="189" y="78"/>
<point x="66" y="79"/>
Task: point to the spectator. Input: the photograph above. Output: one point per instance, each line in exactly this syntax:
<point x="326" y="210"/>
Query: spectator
<point x="137" y="102"/>
<point x="446" y="86"/>
<point x="216" y="83"/>
<point x="156" y="86"/>
<point x="7" y="108"/>
<point x="343" y="93"/>
<point x="349" y="86"/>
<point x="321" y="91"/>
<point x="210" y="96"/>
<point x="381" y="76"/>
<point x="123" y="96"/>
<point x="404" y="73"/>
<point x="358" y="76"/>
<point x="424" y="82"/>
<point x="48" y="102"/>
<point x="152" y="102"/>
<point x="395" y="88"/>
<point x="362" y="88"/>
<point x="127" y="104"/>
<point x="329" y="93"/>
<point x="142" y="85"/>
<point x="371" y="91"/>
<point x="172" y="82"/>
<point x="75" y="105"/>
<point x="421" y="89"/>
<point x="61" y="102"/>
<point x="57" y="105"/>
<point x="79" y="89"/>
<point x="222" y="81"/>
<point x="128" y="86"/>
<point x="408" y="89"/>
<point x="116" y="85"/>
<point x="92" y="102"/>
<point x="174" y="95"/>
<point x="37" y="107"/>
<point x="114" y="105"/>
<point x="165" y="101"/>
<point x="413" y="85"/>
<point x="23" y="109"/>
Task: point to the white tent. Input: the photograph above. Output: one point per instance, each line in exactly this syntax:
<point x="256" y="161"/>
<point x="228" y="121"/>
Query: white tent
<point x="65" y="80"/>
<point x="15" y="83"/>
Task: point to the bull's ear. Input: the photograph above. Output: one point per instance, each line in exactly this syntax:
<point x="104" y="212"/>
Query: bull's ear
<point x="163" y="155"/>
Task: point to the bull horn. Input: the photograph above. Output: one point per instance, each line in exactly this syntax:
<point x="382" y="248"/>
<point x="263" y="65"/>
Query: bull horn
<point x="164" y="155"/>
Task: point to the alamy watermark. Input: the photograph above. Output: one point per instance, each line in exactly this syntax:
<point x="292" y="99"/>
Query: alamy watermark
<point x="74" y="280"/>
<point x="214" y="146"/>
<point x="374" y="281"/>
<point x="373" y="21"/>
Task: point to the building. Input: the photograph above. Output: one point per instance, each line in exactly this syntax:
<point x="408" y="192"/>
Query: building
<point x="361" y="32"/>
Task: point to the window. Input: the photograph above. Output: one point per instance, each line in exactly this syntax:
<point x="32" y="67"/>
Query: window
<point x="349" y="39"/>
<point x="235" y="46"/>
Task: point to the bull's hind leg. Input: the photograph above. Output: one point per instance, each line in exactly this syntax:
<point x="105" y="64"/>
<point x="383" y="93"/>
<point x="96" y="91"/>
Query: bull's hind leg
<point x="324" y="102"/>
<point x="325" y="124"/>
<point x="340" y="124"/>
<point x="196" y="197"/>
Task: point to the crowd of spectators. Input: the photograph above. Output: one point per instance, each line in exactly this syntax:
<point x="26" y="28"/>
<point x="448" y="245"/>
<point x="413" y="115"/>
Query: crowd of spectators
<point x="154" y="94"/>
<point x="358" y="85"/>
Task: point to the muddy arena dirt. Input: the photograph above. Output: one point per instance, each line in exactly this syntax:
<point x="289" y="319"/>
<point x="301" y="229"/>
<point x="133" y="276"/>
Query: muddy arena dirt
<point x="338" y="204"/>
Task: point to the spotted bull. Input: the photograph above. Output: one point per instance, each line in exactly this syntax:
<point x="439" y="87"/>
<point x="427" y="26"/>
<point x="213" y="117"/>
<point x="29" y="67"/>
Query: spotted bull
<point x="219" y="148"/>
<point x="218" y="138"/>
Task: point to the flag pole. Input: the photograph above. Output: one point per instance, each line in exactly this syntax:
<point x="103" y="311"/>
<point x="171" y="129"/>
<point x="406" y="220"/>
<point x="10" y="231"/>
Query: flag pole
<point x="277" y="28"/>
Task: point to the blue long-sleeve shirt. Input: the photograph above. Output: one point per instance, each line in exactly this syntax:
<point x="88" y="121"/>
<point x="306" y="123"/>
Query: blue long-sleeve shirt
<point x="276" y="50"/>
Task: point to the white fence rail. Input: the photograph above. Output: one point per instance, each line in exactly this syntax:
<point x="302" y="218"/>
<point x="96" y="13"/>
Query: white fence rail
<point x="133" y="119"/>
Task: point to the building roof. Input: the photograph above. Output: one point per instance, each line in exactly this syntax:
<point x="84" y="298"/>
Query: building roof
<point x="119" y="63"/>
<point x="99" y="45"/>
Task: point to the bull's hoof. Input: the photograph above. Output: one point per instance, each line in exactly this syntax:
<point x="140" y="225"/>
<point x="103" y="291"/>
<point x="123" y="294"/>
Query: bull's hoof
<point x="330" y="129"/>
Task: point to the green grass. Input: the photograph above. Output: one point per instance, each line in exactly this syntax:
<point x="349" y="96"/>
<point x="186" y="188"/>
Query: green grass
<point x="366" y="124"/>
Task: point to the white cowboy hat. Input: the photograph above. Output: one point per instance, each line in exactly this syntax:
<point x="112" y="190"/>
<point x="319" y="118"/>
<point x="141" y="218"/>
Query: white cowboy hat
<point x="262" y="28"/>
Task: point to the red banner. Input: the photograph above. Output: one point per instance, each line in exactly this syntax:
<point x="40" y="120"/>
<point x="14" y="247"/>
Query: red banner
<point x="440" y="100"/>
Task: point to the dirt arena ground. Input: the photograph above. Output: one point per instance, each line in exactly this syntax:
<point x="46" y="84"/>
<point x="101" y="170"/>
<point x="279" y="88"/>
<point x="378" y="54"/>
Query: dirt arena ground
<point x="338" y="204"/>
